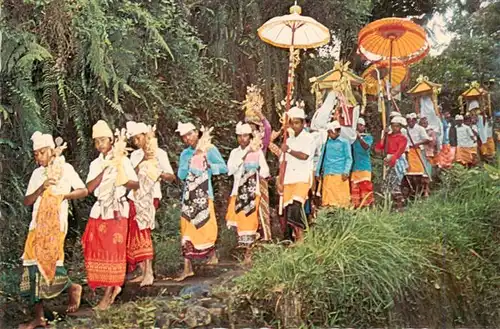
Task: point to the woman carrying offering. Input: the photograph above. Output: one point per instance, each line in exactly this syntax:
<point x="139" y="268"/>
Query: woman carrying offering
<point x="197" y="163"/>
<point x="49" y="190"/>
<point x="105" y="238"/>
<point x="248" y="165"/>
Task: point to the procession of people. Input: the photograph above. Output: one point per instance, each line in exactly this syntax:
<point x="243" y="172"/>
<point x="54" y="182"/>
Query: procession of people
<point x="325" y="159"/>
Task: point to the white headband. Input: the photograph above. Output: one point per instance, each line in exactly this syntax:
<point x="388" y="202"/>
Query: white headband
<point x="42" y="140"/>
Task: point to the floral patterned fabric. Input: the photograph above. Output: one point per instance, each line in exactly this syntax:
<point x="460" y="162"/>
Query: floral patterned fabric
<point x="195" y="203"/>
<point x="245" y="200"/>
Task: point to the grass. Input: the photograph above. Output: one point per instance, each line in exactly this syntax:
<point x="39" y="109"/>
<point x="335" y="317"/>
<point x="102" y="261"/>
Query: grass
<point x="376" y="268"/>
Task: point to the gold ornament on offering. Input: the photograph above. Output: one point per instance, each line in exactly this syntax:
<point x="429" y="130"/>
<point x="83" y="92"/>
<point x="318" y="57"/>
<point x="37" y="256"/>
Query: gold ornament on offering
<point x="253" y="102"/>
<point x="119" y="151"/>
<point x="205" y="142"/>
<point x="55" y="170"/>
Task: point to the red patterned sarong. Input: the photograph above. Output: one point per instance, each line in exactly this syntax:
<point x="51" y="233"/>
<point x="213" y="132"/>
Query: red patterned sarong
<point x="104" y="248"/>
<point x="139" y="242"/>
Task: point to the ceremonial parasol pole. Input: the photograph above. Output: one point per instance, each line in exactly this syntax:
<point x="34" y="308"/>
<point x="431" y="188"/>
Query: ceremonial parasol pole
<point x="292" y="32"/>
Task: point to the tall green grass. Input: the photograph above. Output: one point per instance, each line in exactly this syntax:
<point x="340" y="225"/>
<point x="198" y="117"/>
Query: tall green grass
<point x="437" y="262"/>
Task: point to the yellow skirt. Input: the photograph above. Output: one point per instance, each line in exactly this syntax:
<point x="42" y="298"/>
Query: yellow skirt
<point x="335" y="192"/>
<point x="245" y="225"/>
<point x="465" y="155"/>
<point x="488" y="148"/>
<point x="29" y="247"/>
<point x="416" y="167"/>
<point x="203" y="238"/>
<point x="295" y="192"/>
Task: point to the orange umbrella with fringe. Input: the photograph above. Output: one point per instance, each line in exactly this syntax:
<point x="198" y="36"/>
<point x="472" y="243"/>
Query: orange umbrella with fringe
<point x="380" y="70"/>
<point x="393" y="39"/>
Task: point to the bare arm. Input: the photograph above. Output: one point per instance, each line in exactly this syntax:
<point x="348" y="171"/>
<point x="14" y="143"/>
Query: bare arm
<point x="167" y="177"/>
<point x="299" y="155"/>
<point x="93" y="184"/>
<point x="79" y="193"/>
<point x="132" y="185"/>
<point x="29" y="200"/>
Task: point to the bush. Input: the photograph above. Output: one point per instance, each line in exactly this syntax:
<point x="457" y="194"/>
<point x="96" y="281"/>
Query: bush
<point x="372" y="268"/>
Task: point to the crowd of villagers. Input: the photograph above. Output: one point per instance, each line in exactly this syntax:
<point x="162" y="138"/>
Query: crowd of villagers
<point x="327" y="165"/>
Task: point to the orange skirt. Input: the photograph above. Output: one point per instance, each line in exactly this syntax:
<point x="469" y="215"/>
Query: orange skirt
<point x="295" y="192"/>
<point x="361" y="189"/>
<point x="105" y="252"/>
<point x="246" y="226"/>
<point x="416" y="167"/>
<point x="488" y="148"/>
<point x="335" y="192"/>
<point x="139" y="242"/>
<point x="199" y="243"/>
<point x="466" y="155"/>
<point x="446" y="157"/>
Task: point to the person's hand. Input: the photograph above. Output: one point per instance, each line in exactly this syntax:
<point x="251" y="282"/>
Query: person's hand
<point x="345" y="177"/>
<point x="279" y="186"/>
<point x="284" y="148"/>
<point x="358" y="135"/>
<point x="48" y="183"/>
<point x="148" y="156"/>
<point x="258" y="113"/>
<point x="198" y="152"/>
<point x="387" y="161"/>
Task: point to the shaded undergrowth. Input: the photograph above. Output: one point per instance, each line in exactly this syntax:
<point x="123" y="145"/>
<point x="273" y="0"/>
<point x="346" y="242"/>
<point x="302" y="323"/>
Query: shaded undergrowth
<point x="437" y="262"/>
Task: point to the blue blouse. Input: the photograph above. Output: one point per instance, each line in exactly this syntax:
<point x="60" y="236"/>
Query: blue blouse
<point x="214" y="158"/>
<point x="361" y="156"/>
<point x="338" y="159"/>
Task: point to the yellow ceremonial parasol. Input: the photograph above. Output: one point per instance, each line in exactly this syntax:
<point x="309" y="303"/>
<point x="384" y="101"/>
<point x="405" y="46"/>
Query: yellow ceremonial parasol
<point x="293" y="32"/>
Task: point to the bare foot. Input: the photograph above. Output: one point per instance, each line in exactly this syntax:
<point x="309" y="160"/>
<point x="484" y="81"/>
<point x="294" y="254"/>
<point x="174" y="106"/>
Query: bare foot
<point x="139" y="278"/>
<point x="115" y="293"/>
<point x="148" y="280"/>
<point x="75" y="297"/>
<point x="103" y="304"/>
<point x="34" y="324"/>
<point x="184" y="276"/>
<point x="213" y="260"/>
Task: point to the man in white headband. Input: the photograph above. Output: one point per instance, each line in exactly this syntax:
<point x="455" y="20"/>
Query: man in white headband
<point x="140" y="249"/>
<point x="361" y="176"/>
<point x="198" y="162"/>
<point x="247" y="164"/>
<point x="394" y="146"/>
<point x="298" y="153"/>
<point x="466" y="143"/>
<point x="51" y="185"/>
<point x="417" y="138"/>
<point x="334" y="167"/>
<point x="104" y="239"/>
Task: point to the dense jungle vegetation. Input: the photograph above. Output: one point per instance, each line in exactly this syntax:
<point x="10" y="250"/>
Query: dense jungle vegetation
<point x="64" y="64"/>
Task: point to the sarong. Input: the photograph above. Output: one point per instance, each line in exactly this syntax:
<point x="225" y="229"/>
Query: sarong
<point x="488" y="148"/>
<point x="34" y="288"/>
<point x="395" y="175"/>
<point x="335" y="192"/>
<point x="264" y="215"/>
<point x="139" y="242"/>
<point x="361" y="189"/>
<point x="199" y="242"/>
<point x="246" y="225"/>
<point x="466" y="155"/>
<point x="415" y="159"/>
<point x="105" y="251"/>
<point x="295" y="192"/>
<point x="446" y="157"/>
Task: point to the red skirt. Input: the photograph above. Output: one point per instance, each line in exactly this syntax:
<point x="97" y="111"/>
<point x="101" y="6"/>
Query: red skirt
<point x="104" y="249"/>
<point x="139" y="242"/>
<point x="362" y="194"/>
